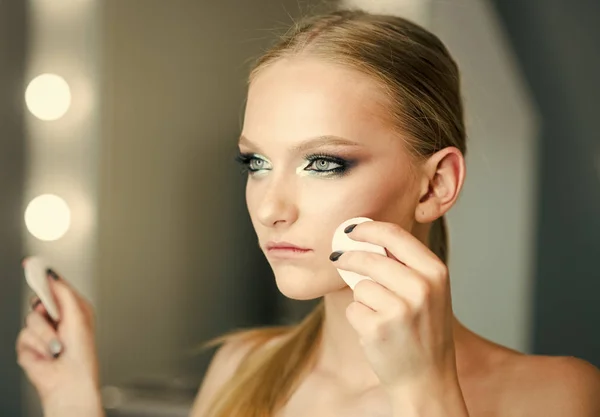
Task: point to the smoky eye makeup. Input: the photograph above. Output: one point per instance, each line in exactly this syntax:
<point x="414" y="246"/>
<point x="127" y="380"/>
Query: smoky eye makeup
<point x="317" y="164"/>
<point x="325" y="164"/>
<point x="252" y="162"/>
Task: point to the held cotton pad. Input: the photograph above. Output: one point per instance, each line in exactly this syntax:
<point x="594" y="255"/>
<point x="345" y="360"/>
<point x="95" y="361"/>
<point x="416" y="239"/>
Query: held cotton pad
<point x="342" y="242"/>
<point x="37" y="279"/>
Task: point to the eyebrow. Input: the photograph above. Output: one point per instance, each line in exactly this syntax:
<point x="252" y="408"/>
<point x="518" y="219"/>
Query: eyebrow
<point x="311" y="143"/>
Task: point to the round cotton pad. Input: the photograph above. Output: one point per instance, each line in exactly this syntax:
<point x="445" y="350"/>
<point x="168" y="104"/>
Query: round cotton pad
<point x="342" y="242"/>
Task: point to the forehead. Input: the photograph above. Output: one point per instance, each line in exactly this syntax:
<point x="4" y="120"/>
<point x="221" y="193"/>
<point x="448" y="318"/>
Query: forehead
<point x="301" y="97"/>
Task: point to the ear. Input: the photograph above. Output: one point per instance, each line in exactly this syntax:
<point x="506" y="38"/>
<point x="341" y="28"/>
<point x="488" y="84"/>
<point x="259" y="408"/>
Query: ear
<point x="442" y="179"/>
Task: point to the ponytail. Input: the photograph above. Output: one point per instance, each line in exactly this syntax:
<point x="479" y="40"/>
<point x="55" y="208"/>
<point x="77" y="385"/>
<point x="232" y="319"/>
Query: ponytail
<point x="269" y="374"/>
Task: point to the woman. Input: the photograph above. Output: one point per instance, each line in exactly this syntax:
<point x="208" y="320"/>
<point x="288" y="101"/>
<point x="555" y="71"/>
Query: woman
<point x="351" y="114"/>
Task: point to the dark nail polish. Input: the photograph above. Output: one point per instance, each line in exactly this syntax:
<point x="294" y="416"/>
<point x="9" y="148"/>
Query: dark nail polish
<point x="349" y="228"/>
<point x="52" y="274"/>
<point x="335" y="256"/>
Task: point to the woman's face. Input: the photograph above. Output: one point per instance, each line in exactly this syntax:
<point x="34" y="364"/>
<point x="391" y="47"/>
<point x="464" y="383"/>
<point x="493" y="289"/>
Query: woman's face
<point x="317" y="155"/>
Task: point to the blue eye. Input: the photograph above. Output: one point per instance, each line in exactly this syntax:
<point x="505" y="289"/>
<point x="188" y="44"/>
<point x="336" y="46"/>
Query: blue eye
<point x="319" y="164"/>
<point x="251" y="162"/>
<point x="256" y="164"/>
<point x="322" y="164"/>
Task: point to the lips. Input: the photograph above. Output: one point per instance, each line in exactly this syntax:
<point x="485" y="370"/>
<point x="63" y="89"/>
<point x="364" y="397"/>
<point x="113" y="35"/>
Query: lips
<point x="285" y="246"/>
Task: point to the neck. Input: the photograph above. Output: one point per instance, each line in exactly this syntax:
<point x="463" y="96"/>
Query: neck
<point x="341" y="355"/>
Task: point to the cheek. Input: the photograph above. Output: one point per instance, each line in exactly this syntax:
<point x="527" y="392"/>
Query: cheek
<point x="353" y="195"/>
<point x="252" y="198"/>
<point x="326" y="204"/>
<point x="375" y="196"/>
<point x="322" y="198"/>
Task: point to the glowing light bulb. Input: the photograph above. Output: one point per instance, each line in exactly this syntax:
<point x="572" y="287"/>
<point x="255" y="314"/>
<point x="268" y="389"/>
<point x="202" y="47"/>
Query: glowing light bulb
<point x="48" y="97"/>
<point x="48" y="217"/>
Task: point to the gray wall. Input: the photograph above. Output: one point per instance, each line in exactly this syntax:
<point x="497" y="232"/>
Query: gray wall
<point x="492" y="226"/>
<point x="557" y="42"/>
<point x="12" y="155"/>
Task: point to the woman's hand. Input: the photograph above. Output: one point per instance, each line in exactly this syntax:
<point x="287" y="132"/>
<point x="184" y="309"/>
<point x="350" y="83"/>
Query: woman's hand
<point x="404" y="319"/>
<point x="60" y="358"/>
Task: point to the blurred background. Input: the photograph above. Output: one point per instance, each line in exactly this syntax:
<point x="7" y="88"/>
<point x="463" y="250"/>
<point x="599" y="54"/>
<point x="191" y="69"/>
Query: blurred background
<point x="118" y="128"/>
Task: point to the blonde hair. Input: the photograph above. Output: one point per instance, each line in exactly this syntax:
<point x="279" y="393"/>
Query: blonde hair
<point x="420" y="83"/>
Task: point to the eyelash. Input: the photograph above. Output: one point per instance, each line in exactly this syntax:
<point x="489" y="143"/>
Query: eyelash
<point x="245" y="160"/>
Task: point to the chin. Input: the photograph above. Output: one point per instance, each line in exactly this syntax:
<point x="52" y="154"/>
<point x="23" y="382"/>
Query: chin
<point x="302" y="284"/>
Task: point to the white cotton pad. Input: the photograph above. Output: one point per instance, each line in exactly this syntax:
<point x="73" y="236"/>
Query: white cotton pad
<point x="342" y="242"/>
<point x="35" y="274"/>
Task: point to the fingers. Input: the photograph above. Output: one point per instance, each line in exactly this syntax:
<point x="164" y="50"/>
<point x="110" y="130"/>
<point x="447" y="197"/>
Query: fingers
<point x="395" y="277"/>
<point x="30" y="346"/>
<point x="34" y="301"/>
<point x="376" y="297"/>
<point x="401" y="244"/>
<point x="38" y="339"/>
<point x="70" y="302"/>
<point x="42" y="329"/>
<point x="359" y="316"/>
<point x="38" y="306"/>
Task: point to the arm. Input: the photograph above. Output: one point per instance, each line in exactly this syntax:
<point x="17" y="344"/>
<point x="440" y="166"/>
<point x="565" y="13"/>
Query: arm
<point x="80" y="401"/>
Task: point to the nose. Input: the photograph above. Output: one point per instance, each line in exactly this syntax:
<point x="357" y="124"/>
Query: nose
<point x="277" y="206"/>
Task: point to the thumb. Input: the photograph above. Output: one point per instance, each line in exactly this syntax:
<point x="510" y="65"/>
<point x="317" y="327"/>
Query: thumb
<point x="67" y="298"/>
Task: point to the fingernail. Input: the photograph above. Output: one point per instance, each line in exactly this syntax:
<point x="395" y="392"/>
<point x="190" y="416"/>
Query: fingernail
<point x="349" y="228"/>
<point x="52" y="274"/>
<point x="55" y="348"/>
<point x="335" y="255"/>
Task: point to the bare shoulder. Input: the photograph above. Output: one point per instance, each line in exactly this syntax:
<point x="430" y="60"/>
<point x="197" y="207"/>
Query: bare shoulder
<point x="551" y="386"/>
<point x="223" y="366"/>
